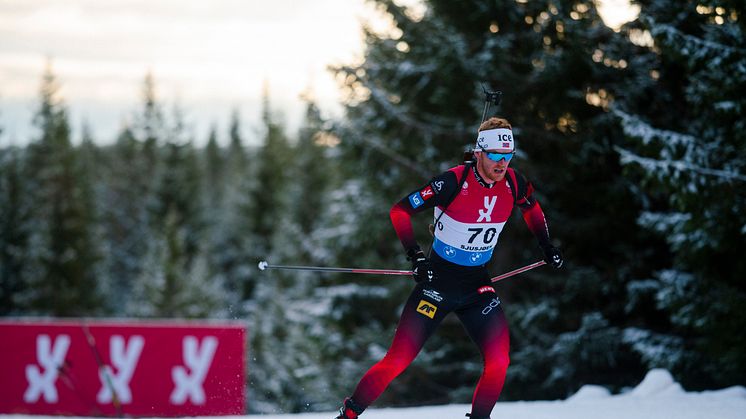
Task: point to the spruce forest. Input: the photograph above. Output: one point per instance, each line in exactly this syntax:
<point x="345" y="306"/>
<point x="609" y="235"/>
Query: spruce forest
<point x="634" y="139"/>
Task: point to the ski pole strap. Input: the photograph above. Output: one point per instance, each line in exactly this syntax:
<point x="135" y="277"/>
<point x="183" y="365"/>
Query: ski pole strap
<point x="467" y="166"/>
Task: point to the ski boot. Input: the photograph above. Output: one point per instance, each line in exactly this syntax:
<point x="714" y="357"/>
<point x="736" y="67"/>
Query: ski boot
<point x="349" y="410"/>
<point x="469" y="415"/>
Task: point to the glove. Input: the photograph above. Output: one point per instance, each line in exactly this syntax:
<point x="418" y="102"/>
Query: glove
<point x="422" y="269"/>
<point x="552" y="256"/>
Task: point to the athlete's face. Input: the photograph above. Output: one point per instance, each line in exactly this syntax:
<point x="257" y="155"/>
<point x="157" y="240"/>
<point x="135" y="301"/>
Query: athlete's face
<point x="490" y="169"/>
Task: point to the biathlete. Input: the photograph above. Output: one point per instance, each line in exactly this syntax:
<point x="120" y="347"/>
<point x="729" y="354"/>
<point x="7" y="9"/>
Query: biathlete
<point x="472" y="203"/>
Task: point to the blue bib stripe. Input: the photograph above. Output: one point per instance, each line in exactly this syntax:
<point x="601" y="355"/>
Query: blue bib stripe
<point x="461" y="257"/>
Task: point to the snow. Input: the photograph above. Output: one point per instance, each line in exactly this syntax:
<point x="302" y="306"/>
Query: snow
<point x="657" y="382"/>
<point x="590" y="392"/>
<point x="658" y="396"/>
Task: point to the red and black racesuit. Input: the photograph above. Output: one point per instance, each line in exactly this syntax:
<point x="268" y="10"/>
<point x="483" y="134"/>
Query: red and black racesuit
<point x="462" y="284"/>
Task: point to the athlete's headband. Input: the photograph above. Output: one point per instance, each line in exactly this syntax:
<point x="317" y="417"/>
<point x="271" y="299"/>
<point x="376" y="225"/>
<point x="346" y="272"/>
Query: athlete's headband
<point x="498" y="139"/>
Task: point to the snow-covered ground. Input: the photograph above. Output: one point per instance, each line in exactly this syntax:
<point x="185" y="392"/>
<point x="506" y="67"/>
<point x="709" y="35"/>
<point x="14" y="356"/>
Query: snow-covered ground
<point x="658" y="396"/>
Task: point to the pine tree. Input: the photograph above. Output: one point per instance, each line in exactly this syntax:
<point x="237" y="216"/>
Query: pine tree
<point x="271" y="177"/>
<point x="14" y="230"/>
<point x="175" y="281"/>
<point x="91" y="160"/>
<point x="127" y="221"/>
<point x="312" y="171"/>
<point x="124" y="218"/>
<point x="230" y="256"/>
<point x="63" y="255"/>
<point x="179" y="184"/>
<point x="687" y="154"/>
<point x="214" y="166"/>
<point x="150" y="126"/>
<point x="237" y="159"/>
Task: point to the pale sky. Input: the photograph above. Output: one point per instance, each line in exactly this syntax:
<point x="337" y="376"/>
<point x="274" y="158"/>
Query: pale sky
<point x="208" y="56"/>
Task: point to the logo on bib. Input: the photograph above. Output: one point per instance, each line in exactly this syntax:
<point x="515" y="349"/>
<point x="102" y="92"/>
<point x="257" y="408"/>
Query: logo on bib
<point x="494" y="303"/>
<point x="489" y="206"/>
<point x="427" y="193"/>
<point x="416" y="200"/>
<point x="434" y="295"/>
<point x="486" y="288"/>
<point x="465" y="188"/>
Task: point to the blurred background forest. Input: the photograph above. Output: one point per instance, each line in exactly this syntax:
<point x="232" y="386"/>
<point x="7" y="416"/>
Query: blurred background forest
<point x="635" y="140"/>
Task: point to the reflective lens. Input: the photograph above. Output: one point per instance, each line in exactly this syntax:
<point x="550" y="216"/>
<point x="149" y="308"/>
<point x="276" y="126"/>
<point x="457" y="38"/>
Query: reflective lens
<point x="499" y="156"/>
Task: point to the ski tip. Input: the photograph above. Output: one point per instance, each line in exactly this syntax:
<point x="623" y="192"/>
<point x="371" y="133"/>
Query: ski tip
<point x="263" y="265"/>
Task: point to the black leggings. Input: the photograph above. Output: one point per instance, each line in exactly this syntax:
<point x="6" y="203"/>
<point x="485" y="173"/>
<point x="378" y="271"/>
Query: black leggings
<point x="468" y="293"/>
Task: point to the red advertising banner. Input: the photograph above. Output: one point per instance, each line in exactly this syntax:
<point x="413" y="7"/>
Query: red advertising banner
<point x="116" y="368"/>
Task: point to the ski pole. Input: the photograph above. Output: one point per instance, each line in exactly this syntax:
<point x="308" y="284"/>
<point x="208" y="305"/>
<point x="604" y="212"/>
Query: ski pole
<point x="102" y="369"/>
<point x="264" y="265"/>
<point x="519" y="270"/>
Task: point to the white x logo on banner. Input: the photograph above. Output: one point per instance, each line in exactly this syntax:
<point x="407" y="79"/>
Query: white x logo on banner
<point x="50" y="358"/>
<point x="198" y="361"/>
<point x="124" y="358"/>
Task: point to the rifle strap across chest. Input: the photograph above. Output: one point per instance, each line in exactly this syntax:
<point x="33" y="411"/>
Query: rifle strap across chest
<point x="467" y="166"/>
<point x="513" y="183"/>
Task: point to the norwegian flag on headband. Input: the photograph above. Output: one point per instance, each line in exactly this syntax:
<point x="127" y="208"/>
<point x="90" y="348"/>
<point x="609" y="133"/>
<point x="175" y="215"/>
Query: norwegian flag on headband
<point x="495" y="139"/>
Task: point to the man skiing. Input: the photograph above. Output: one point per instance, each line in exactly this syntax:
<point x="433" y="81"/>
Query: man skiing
<point x="472" y="203"/>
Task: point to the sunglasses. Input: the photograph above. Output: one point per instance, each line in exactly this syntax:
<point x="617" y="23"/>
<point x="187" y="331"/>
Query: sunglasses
<point x="496" y="157"/>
